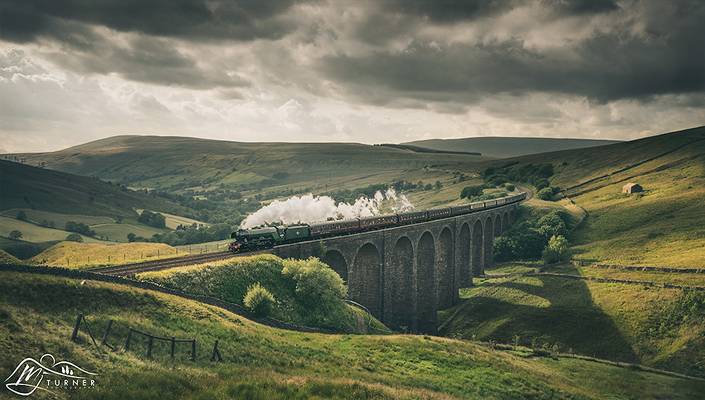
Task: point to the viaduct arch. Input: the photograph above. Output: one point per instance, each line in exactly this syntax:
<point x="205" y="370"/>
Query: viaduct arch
<point x="403" y="275"/>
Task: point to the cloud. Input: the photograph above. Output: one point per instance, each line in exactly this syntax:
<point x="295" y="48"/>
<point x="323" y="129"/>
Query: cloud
<point x="27" y="20"/>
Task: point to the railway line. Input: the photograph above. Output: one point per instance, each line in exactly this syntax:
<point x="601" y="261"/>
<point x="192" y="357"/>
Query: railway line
<point x="161" y="264"/>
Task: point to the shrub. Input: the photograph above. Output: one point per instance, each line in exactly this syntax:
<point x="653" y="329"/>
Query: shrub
<point x="316" y="284"/>
<point x="22" y="216"/>
<point x="152" y="219"/>
<point x="79" y="227"/>
<point x="15" y="235"/>
<point x="471" y="191"/>
<point x="510" y="187"/>
<point x="258" y="300"/>
<point x="552" y="224"/>
<point x="74" y="237"/>
<point x="545" y="194"/>
<point x="556" y="250"/>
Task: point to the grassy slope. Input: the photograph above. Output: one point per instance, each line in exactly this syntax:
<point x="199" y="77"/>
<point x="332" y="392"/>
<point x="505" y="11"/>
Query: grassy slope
<point x="6" y="258"/>
<point x="615" y="321"/>
<point x="83" y="255"/>
<point x="503" y="147"/>
<point x="206" y="164"/>
<point x="229" y="280"/>
<point x="35" y="233"/>
<point x="42" y="189"/>
<point x="266" y="363"/>
<point x="665" y="226"/>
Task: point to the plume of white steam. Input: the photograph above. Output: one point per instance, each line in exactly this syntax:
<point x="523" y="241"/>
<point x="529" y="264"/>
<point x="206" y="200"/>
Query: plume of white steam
<point x="309" y="208"/>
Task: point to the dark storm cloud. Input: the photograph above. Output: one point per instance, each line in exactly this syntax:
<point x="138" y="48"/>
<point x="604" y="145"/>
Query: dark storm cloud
<point x="26" y="20"/>
<point x="669" y="58"/>
<point x="449" y="11"/>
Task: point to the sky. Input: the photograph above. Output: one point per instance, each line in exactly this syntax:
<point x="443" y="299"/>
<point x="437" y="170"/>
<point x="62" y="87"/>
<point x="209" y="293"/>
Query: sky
<point x="381" y="71"/>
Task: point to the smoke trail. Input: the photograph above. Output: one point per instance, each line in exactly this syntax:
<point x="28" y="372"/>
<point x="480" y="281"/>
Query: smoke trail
<point x="309" y="208"/>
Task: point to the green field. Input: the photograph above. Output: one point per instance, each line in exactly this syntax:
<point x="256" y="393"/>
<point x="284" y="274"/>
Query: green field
<point x="262" y="362"/>
<point x="35" y="233"/>
<point x="84" y="255"/>
<point x="656" y="326"/>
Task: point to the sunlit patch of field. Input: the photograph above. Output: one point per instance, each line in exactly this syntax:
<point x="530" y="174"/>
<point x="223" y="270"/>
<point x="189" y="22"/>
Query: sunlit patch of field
<point x="35" y="233"/>
<point x="84" y="255"/>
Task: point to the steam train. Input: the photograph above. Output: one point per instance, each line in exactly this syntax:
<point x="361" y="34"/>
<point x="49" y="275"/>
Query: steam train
<point x="270" y="236"/>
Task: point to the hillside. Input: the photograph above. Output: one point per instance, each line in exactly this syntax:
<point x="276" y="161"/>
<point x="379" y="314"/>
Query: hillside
<point x="506" y="147"/>
<point x="662" y="327"/>
<point x="27" y="187"/>
<point x="262" y="362"/>
<point x="665" y="225"/>
<point x="174" y="163"/>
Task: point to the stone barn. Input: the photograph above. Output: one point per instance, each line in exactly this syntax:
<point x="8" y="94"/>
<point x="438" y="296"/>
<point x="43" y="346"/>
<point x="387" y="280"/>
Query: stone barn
<point x="631" y="187"/>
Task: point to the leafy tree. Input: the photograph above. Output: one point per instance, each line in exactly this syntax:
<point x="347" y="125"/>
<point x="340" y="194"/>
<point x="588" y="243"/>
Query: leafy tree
<point x="258" y="300"/>
<point x="74" y="237"/>
<point x="471" y="191"/>
<point x="152" y="219"/>
<point x="317" y="285"/>
<point x="131" y="237"/>
<point x="438" y="185"/>
<point x="545" y="194"/>
<point x="510" y="187"/>
<point x="557" y="250"/>
<point x="79" y="227"/>
<point x="22" y="216"/>
<point x="552" y="224"/>
<point x="15" y="235"/>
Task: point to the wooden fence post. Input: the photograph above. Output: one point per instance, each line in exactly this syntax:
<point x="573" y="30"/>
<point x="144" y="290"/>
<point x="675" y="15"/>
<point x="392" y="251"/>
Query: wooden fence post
<point x="173" y="346"/>
<point x="150" y="341"/>
<point x="193" y="350"/>
<point x="74" y="334"/>
<point x="127" y="341"/>
<point x="216" y="353"/>
<point x="104" y="342"/>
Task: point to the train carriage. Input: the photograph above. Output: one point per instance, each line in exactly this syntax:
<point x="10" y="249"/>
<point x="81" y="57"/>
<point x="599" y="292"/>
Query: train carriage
<point x="460" y="210"/>
<point x="412" y="217"/>
<point x="378" y="221"/>
<point x="335" y="227"/>
<point x="436" y="213"/>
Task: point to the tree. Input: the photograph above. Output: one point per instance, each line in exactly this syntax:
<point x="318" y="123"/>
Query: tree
<point x="557" y="250"/>
<point x="470" y="191"/>
<point x="152" y="219"/>
<point x="438" y="185"/>
<point x="552" y="224"/>
<point x="74" y="237"/>
<point x="79" y="227"/>
<point x="22" y="216"/>
<point x="15" y="235"/>
<point x="258" y="300"/>
<point x="131" y="237"/>
<point x="545" y="194"/>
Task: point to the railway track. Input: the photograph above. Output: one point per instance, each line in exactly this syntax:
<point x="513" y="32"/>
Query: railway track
<point x="157" y="265"/>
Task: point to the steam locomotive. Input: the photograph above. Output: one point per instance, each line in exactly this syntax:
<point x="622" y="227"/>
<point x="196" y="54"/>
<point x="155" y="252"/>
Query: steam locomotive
<point x="270" y="236"/>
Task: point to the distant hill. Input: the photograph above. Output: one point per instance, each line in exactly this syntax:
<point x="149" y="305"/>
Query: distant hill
<point x="27" y="187"/>
<point x="504" y="147"/>
<point x="177" y="163"/>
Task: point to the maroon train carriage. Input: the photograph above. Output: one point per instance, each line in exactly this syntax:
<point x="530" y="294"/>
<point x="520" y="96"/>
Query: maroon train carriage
<point x="378" y="222"/>
<point x="412" y="217"/>
<point x="436" y="213"/>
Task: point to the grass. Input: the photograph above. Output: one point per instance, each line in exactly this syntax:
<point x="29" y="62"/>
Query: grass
<point x="686" y="279"/>
<point x="35" y="233"/>
<point x="6" y="258"/>
<point x="621" y="322"/>
<point x="59" y="219"/>
<point x="37" y="315"/>
<point x="84" y="255"/>
<point x="229" y="280"/>
<point x="118" y="232"/>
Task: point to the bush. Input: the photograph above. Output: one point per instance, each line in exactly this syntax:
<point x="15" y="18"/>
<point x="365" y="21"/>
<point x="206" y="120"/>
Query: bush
<point x="316" y="284"/>
<point x="545" y="194"/>
<point x="15" y="235"/>
<point x="552" y="224"/>
<point x="74" y="237"/>
<point x="258" y="300"/>
<point x="79" y="227"/>
<point x="471" y="191"/>
<point x="510" y="187"/>
<point x="152" y="219"/>
<point x="557" y="250"/>
<point x="22" y="216"/>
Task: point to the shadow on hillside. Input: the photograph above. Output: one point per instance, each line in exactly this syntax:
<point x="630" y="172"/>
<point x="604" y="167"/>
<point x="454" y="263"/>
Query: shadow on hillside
<point x="572" y="319"/>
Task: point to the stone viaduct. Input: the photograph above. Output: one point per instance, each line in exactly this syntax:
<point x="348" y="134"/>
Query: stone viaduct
<point x="404" y="274"/>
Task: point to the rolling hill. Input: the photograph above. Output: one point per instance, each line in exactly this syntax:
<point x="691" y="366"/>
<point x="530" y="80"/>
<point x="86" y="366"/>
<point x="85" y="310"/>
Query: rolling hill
<point x="665" y="225"/>
<point x="507" y="147"/>
<point x="175" y="163"/>
<point x="261" y="362"/>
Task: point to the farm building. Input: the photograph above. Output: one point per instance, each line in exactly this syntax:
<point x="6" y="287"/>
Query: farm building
<point x="632" y="188"/>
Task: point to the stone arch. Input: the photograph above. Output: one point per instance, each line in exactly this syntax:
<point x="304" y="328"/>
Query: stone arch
<point x="365" y="286"/>
<point x="477" y="244"/>
<point x="487" y="245"/>
<point x="446" y="270"/>
<point x="498" y="225"/>
<point x="336" y="260"/>
<point x="402" y="312"/>
<point x="464" y="269"/>
<point x="505" y="221"/>
<point x="426" y="283"/>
